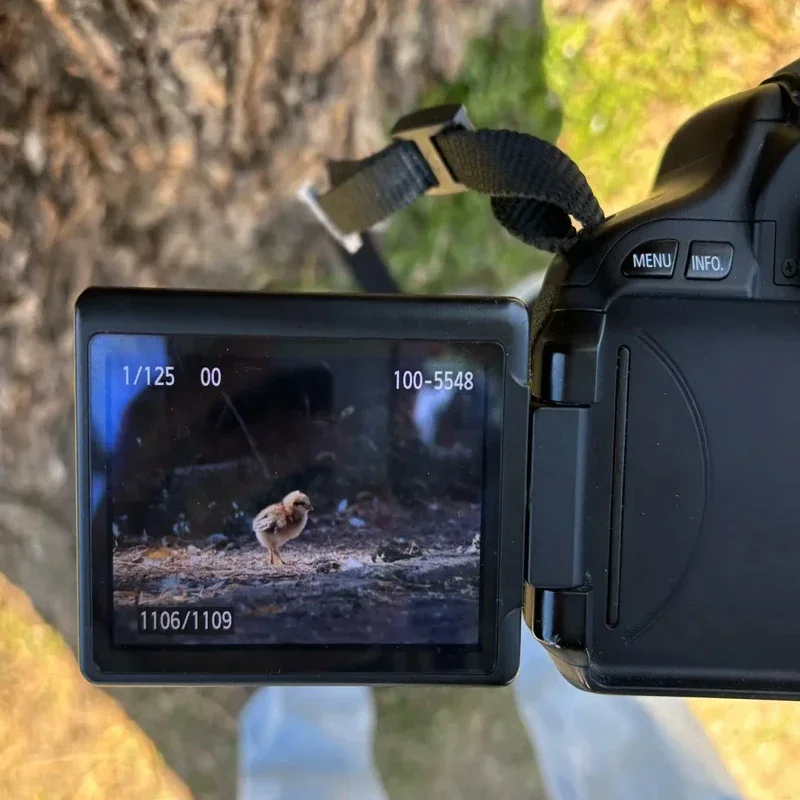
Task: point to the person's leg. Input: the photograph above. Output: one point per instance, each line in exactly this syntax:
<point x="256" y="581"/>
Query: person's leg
<point x="299" y="743"/>
<point x="308" y="742"/>
<point x="594" y="747"/>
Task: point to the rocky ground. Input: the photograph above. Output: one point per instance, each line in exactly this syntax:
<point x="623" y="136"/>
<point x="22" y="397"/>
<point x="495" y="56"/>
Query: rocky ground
<point x="374" y="572"/>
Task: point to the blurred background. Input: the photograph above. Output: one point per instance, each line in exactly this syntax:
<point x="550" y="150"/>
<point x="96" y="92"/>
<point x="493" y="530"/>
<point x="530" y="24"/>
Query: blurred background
<point x="146" y="142"/>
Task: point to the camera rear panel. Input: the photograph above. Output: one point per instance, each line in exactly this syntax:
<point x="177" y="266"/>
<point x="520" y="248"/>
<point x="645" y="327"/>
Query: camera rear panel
<point x="689" y="532"/>
<point x="665" y="362"/>
<point x="702" y="562"/>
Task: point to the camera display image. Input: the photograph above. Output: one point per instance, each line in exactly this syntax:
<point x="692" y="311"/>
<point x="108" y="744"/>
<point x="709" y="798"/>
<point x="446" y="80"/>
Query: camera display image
<point x="291" y="492"/>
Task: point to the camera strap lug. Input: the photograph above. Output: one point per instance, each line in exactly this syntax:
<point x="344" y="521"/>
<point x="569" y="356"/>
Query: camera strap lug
<point x="789" y="78"/>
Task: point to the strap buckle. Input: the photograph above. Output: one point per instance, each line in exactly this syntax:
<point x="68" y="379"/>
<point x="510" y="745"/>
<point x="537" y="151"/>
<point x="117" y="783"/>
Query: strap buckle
<point x="421" y="127"/>
<point x="351" y="242"/>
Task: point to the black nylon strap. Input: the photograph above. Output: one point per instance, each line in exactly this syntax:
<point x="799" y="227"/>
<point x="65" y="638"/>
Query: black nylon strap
<point x="534" y="187"/>
<point x="364" y="193"/>
<point x="368" y="269"/>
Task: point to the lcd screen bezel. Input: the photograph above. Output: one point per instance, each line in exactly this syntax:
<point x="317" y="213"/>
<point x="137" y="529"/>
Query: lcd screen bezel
<point x="502" y="321"/>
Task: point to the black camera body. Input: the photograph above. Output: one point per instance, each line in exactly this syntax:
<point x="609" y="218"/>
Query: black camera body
<point x="664" y="504"/>
<point x="638" y="500"/>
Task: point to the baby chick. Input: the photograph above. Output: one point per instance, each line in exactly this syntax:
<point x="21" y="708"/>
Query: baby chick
<point x="277" y="524"/>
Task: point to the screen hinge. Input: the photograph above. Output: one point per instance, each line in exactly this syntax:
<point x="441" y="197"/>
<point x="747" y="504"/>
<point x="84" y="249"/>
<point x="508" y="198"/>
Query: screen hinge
<point x="559" y="449"/>
<point x="558" y="620"/>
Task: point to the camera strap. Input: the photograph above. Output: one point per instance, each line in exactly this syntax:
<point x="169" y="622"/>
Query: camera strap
<point x="535" y="189"/>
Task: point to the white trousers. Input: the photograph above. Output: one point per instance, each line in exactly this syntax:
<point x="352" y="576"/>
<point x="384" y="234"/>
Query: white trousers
<point x="307" y="743"/>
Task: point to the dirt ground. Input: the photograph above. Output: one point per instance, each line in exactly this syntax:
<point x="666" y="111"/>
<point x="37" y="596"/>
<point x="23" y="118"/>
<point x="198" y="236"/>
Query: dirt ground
<point x="374" y="572"/>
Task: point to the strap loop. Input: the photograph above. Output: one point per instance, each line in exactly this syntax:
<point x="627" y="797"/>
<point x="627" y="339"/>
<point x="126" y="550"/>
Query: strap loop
<point x="535" y="188"/>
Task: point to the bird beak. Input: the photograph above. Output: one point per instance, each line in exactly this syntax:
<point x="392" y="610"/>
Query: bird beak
<point x="311" y="508"/>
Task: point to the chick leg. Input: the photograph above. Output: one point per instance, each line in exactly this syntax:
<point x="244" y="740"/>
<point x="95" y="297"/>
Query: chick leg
<point x="271" y="554"/>
<point x="278" y="554"/>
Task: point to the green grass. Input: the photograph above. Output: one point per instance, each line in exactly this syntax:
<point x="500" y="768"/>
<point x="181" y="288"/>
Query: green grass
<point x="453" y="743"/>
<point x="626" y="85"/>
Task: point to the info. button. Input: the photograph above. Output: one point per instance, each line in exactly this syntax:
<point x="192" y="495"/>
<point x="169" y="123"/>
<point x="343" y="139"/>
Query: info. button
<point x="655" y="259"/>
<point x="709" y="261"/>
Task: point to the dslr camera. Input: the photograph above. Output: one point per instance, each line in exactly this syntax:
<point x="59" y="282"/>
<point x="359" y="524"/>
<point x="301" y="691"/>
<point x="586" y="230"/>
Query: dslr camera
<point x="381" y="489"/>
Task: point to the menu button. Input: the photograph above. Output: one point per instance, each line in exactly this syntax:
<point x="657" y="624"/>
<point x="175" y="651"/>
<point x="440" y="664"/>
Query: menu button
<point x="654" y="259"/>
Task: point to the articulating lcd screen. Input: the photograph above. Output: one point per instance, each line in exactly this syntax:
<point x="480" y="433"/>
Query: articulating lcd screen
<point x="291" y="492"/>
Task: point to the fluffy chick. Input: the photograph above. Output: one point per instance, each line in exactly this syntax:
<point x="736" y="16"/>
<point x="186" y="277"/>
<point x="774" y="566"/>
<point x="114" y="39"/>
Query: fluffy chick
<point x="279" y="523"/>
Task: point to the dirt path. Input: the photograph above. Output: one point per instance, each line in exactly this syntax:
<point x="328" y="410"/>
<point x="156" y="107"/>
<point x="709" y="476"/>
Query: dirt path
<point x="347" y="579"/>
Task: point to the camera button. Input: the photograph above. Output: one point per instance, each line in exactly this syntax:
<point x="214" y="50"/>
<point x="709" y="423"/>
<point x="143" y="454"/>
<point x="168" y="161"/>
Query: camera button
<point x="710" y="261"/>
<point x="654" y="259"/>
